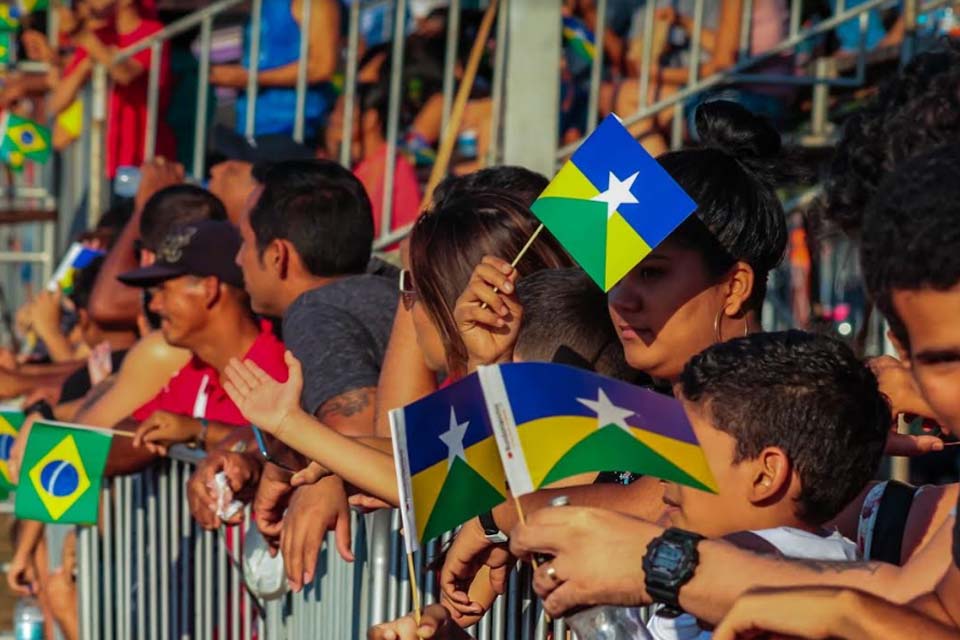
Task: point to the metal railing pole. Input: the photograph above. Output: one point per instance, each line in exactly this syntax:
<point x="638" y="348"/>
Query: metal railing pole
<point x="909" y="31"/>
<point x="176" y="28"/>
<point x="746" y="29"/>
<point x="299" y="117"/>
<point x="256" y="12"/>
<point x="98" y="118"/>
<point x="166" y="534"/>
<point x="693" y="71"/>
<point x="203" y="93"/>
<point x="153" y="101"/>
<point x="350" y="84"/>
<point x="646" y="63"/>
<point x="499" y="80"/>
<point x="393" y="114"/>
<point x="152" y="580"/>
<point x="109" y="558"/>
<point x="796" y="10"/>
<point x="596" y="68"/>
<point x="450" y="61"/>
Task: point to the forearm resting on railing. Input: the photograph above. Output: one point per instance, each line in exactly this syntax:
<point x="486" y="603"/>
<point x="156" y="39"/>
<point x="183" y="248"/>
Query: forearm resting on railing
<point x="361" y="461"/>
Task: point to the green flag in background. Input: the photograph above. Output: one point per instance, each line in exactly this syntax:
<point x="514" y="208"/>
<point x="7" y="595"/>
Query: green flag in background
<point x="21" y="139"/>
<point x="61" y="472"/>
<point x="10" y="423"/>
<point x="7" y="44"/>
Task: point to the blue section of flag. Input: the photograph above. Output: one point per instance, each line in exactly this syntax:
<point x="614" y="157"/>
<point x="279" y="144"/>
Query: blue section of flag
<point x="428" y="418"/>
<point x="541" y="390"/>
<point x="661" y="204"/>
<point x="85" y="257"/>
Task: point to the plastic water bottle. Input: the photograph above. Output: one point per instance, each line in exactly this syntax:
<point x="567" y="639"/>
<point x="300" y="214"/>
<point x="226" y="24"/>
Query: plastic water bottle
<point x="607" y="623"/>
<point x="127" y="181"/>
<point x="27" y="620"/>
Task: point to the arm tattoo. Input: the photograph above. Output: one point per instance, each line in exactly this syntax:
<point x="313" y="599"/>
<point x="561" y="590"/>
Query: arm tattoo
<point x="828" y="566"/>
<point x="95" y="394"/>
<point x="347" y="404"/>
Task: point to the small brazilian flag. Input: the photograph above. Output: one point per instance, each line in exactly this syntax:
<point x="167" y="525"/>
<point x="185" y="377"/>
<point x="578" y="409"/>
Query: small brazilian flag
<point x="61" y="472"/>
<point x="22" y="139"/>
<point x="10" y="423"/>
<point x="9" y="18"/>
<point x="611" y="204"/>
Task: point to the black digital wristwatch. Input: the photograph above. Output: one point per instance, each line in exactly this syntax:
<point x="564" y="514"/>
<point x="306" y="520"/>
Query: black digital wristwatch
<point x="669" y="563"/>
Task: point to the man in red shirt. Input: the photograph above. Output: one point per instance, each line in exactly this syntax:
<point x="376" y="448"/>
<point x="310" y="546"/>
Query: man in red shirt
<point x="198" y="294"/>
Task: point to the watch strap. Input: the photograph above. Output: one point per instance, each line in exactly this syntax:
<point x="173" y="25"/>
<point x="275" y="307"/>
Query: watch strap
<point x="490" y="529"/>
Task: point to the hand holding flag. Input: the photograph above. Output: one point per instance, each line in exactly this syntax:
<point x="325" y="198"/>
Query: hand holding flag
<point x="488" y="313"/>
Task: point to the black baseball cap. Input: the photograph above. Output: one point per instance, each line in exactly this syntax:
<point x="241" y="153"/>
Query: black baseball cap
<point x="205" y="248"/>
<point x="268" y="148"/>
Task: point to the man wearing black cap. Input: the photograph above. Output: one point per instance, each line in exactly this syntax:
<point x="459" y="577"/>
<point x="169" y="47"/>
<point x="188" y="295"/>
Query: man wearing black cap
<point x="198" y="295"/>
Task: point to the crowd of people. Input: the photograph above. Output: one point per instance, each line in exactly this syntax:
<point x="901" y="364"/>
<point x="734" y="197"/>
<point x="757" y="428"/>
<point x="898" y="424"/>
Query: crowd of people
<point x="257" y="300"/>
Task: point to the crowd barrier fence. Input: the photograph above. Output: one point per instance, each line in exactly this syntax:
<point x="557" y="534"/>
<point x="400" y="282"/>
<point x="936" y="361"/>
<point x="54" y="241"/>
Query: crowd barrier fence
<point x="149" y="572"/>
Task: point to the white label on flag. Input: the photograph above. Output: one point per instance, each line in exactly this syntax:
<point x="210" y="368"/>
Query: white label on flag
<point x="401" y="462"/>
<point x="505" y="430"/>
<point x="75" y="249"/>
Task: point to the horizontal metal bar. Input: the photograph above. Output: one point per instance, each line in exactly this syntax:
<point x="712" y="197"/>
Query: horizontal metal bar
<point x="795" y="80"/>
<point x="23" y="256"/>
<point x="724" y="76"/>
<point x="387" y="239"/>
<point x="175" y="28"/>
<point x="186" y="454"/>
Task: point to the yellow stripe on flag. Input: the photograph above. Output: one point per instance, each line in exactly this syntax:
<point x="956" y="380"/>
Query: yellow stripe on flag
<point x="686" y="456"/>
<point x="624" y="249"/>
<point x="570" y="183"/>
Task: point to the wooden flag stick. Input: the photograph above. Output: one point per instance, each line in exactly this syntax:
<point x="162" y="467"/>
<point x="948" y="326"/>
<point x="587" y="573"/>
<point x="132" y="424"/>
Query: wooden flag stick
<point x="84" y="427"/>
<point x="415" y="591"/>
<point x="449" y="135"/>
<point x="514" y="264"/>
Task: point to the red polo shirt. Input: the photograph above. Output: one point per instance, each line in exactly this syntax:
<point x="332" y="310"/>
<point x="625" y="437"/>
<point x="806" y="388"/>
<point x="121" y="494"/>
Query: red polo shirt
<point x="196" y="389"/>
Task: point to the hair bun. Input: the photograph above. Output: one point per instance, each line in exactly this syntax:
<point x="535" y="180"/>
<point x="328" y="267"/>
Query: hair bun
<point x="728" y="127"/>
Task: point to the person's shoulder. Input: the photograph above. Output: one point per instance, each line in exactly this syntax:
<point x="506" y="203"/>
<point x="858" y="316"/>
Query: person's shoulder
<point x="155" y="352"/>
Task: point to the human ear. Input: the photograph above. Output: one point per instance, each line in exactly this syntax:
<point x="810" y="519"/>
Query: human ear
<point x="277" y="258"/>
<point x="740" y="281"/>
<point x="771" y="475"/>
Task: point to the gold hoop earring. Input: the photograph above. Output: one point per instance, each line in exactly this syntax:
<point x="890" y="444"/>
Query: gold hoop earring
<point x="718" y="332"/>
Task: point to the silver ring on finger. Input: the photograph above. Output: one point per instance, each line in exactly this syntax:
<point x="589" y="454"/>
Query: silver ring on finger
<point x="552" y="573"/>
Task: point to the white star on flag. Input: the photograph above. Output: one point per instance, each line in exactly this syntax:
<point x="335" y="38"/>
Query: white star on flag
<point x="453" y="438"/>
<point x="618" y="193"/>
<point x="607" y="412"/>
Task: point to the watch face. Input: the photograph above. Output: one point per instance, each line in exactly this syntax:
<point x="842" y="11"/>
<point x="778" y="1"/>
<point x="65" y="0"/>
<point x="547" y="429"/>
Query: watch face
<point x="667" y="557"/>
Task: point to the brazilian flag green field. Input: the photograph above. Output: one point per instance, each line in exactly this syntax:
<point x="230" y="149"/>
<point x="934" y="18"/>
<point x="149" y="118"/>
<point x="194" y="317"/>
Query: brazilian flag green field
<point x="61" y="473"/>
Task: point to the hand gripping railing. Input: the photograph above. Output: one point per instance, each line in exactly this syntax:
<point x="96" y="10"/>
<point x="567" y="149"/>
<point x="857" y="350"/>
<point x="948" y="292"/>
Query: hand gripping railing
<point x="149" y="572"/>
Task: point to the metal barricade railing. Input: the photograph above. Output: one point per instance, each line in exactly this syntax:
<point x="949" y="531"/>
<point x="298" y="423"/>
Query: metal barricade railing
<point x="149" y="571"/>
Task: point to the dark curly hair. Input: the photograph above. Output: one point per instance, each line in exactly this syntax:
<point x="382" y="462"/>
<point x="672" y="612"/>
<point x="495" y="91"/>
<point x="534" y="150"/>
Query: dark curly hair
<point x="911" y="232"/>
<point x="806" y="394"/>
<point x="915" y="111"/>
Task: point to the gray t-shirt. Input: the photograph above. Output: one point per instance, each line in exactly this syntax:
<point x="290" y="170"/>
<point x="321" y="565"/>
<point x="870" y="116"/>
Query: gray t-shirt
<point x="339" y="333"/>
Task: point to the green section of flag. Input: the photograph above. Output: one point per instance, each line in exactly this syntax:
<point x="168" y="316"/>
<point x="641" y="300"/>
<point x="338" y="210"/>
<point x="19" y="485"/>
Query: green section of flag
<point x="60" y="474"/>
<point x="611" y="448"/>
<point x="581" y="227"/>
<point x="7" y="43"/>
<point x="10" y="423"/>
<point x="22" y="139"/>
<point x="465" y="493"/>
